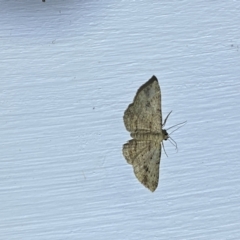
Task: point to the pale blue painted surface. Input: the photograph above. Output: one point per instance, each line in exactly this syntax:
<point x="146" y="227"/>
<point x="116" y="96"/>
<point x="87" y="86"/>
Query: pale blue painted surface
<point x="68" y="71"/>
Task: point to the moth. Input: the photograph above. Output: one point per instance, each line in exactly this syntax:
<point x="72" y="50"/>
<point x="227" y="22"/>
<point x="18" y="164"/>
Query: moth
<point x="143" y="119"/>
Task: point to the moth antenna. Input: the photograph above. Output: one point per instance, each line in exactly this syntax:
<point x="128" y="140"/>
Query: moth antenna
<point x="166" y="119"/>
<point x="177" y="125"/>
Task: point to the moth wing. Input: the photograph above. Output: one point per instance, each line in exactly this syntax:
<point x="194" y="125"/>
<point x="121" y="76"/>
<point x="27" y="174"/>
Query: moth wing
<point x="145" y="113"/>
<point x="144" y="156"/>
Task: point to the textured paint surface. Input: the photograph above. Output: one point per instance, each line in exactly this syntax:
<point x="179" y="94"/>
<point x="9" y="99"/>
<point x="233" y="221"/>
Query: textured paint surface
<point x="68" y="71"/>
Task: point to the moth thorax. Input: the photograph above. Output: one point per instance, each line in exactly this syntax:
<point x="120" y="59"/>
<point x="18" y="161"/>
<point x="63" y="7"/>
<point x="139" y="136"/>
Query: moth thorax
<point x="165" y="134"/>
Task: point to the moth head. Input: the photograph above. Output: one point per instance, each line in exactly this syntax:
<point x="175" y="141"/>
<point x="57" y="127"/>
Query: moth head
<point x="165" y="134"/>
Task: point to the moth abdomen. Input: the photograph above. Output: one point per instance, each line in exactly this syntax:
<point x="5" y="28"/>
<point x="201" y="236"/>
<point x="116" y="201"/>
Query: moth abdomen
<point x="156" y="137"/>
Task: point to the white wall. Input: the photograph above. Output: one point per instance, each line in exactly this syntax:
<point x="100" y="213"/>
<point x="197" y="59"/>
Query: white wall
<point x="68" y="70"/>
